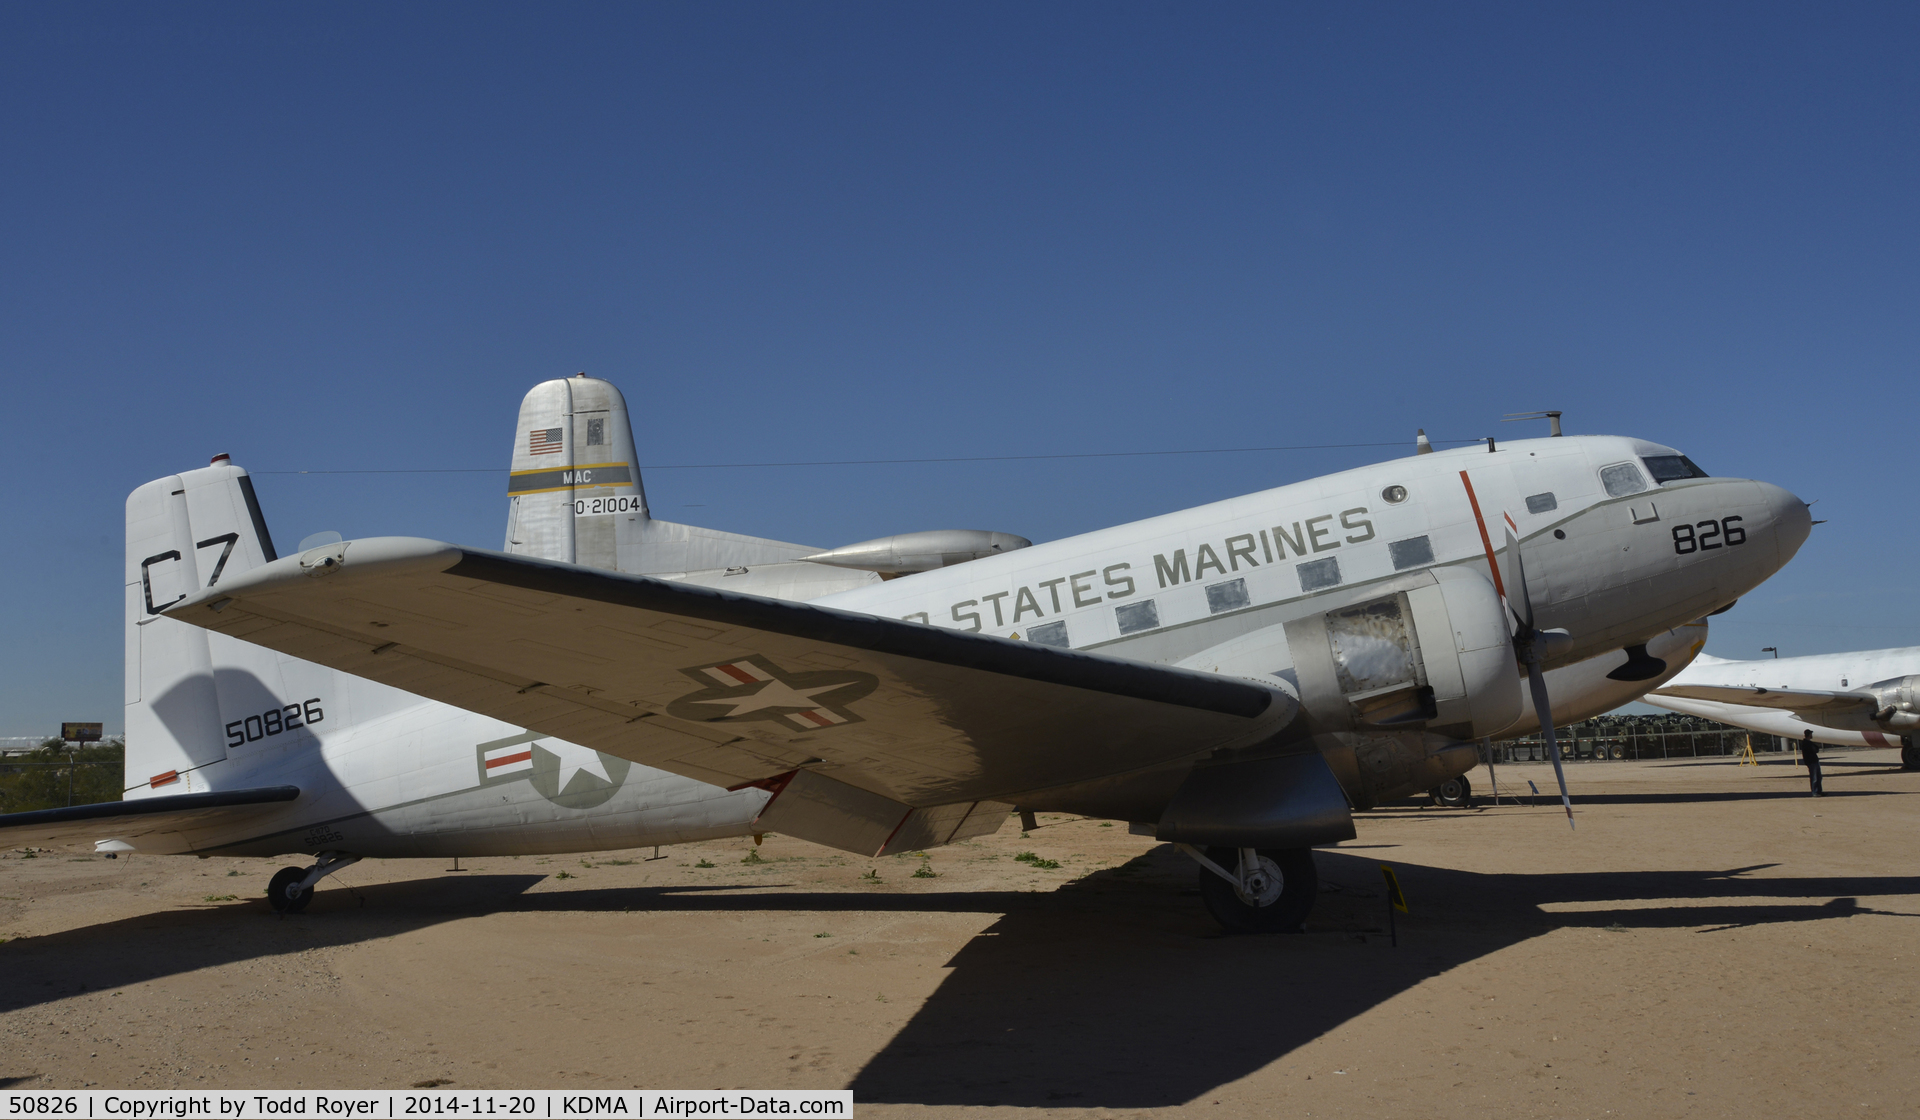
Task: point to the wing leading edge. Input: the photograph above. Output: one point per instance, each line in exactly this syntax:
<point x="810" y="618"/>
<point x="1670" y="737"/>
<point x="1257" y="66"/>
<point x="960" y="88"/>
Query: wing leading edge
<point x="1784" y="699"/>
<point x="736" y="689"/>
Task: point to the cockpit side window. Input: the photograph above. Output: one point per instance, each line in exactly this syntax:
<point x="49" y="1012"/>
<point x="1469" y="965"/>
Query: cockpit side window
<point x="1668" y="468"/>
<point x="1622" y="479"/>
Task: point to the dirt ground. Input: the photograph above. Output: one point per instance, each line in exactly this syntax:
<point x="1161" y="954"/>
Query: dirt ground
<point x="1710" y="942"/>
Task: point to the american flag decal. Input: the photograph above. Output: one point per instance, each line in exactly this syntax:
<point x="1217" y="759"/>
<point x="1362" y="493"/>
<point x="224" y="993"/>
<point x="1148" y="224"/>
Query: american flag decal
<point x="544" y="441"/>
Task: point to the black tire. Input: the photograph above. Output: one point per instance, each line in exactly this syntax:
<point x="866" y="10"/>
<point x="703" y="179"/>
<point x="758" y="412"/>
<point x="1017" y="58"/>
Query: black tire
<point x="1909" y="756"/>
<point x="1300" y="889"/>
<point x="1617" y="752"/>
<point x="279" y="890"/>
<point x="1454" y="793"/>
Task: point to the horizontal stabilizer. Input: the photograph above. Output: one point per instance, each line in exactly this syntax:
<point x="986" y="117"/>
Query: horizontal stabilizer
<point x="121" y="820"/>
<point x="1784" y="699"/>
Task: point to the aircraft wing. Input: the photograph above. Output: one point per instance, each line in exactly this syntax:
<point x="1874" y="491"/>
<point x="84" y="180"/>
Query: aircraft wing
<point x="861" y="714"/>
<point x="1785" y="699"/>
<point x="124" y="820"/>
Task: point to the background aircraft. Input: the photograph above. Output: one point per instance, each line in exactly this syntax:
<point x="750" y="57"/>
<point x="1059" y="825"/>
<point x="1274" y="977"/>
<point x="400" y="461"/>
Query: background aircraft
<point x="1847" y="699"/>
<point x="1229" y="678"/>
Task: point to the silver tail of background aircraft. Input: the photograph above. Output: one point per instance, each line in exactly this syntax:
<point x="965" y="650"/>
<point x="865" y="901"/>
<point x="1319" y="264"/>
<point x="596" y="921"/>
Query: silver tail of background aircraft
<point x="575" y="494"/>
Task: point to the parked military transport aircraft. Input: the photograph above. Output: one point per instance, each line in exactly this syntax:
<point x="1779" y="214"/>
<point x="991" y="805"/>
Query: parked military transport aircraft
<point x="1230" y="678"/>
<point x="1790" y="695"/>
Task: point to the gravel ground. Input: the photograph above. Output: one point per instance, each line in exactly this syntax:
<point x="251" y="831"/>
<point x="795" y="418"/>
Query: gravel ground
<point x="1709" y="942"/>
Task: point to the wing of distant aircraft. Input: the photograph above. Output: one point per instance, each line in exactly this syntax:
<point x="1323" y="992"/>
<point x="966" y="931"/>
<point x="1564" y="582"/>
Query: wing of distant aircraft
<point x="1784" y="699"/>
<point x="875" y="734"/>
<point x="143" y="817"/>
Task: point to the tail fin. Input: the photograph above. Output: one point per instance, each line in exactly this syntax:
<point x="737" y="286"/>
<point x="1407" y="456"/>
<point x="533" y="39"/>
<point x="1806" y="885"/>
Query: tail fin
<point x="195" y="698"/>
<point x="184" y="532"/>
<point x="574" y="493"/>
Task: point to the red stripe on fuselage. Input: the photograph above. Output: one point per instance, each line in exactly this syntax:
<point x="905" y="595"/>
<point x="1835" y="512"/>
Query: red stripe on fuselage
<point x="509" y="759"/>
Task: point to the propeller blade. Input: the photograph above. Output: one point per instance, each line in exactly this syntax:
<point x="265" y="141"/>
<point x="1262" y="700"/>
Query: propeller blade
<point x="1542" y="707"/>
<point x="1516" y="580"/>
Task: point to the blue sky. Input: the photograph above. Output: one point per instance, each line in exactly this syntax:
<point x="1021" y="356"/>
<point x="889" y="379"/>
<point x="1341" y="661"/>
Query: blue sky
<point x="336" y="237"/>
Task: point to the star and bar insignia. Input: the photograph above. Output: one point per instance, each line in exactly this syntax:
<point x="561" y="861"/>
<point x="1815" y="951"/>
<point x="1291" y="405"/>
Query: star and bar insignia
<point x="754" y="688"/>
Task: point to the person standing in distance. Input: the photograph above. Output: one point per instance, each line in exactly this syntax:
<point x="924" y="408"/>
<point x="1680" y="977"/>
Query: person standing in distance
<point x="1810" y="758"/>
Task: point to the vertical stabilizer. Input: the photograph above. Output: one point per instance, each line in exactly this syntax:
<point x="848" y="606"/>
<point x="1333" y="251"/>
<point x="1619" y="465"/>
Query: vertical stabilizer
<point x="184" y="532"/>
<point x="574" y="489"/>
<point x="574" y="494"/>
<point x="206" y="710"/>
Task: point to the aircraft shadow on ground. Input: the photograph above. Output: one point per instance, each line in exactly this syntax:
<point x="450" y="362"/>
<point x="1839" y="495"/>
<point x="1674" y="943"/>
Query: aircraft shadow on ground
<point x="1115" y="990"/>
<point x="171" y="942"/>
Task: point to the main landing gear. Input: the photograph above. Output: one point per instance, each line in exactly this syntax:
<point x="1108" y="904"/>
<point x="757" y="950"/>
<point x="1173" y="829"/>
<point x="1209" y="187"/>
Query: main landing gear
<point x="1909" y="753"/>
<point x="1454" y="793"/>
<point x="1268" y="890"/>
<point x="291" y="888"/>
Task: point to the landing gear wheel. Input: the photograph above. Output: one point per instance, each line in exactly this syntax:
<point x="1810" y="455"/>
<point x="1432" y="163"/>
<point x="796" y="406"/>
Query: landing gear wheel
<point x="1454" y="793"/>
<point x="280" y="887"/>
<point x="1909" y="755"/>
<point x="1294" y="886"/>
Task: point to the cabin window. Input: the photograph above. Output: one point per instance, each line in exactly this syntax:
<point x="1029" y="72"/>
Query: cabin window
<point x="1394" y="495"/>
<point x="1135" y="617"/>
<point x="1316" y="574"/>
<point x="1228" y="596"/>
<point x="1668" y="468"/>
<point x="596" y="431"/>
<point x="1414" y="552"/>
<point x="1622" y="479"/>
<point x="1050" y="634"/>
<point x="1542" y="503"/>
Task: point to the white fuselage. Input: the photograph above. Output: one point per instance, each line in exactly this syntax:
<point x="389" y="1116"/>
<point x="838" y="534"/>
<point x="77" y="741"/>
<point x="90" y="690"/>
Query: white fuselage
<point x="1827" y="672"/>
<point x="404" y="776"/>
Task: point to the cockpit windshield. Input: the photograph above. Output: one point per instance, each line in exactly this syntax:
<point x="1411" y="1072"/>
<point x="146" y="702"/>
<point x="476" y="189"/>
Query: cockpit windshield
<point x="1668" y="468"/>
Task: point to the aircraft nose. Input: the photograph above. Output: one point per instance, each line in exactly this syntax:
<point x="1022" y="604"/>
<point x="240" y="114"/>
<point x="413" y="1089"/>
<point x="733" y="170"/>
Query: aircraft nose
<point x="1790" y="518"/>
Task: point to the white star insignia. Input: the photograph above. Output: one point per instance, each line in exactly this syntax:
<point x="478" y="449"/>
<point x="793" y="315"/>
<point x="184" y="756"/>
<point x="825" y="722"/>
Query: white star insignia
<point x="776" y="694"/>
<point x="574" y="759"/>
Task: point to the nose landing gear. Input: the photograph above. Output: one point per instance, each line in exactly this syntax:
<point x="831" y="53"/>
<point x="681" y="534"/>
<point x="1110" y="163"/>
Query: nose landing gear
<point x="291" y="888"/>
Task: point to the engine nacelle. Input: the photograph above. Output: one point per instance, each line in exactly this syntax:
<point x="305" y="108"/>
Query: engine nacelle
<point x="1898" y="710"/>
<point x="1433" y="654"/>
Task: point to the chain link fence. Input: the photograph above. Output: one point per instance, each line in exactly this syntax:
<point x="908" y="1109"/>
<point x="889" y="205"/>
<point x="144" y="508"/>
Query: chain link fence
<point x="58" y="773"/>
<point x="1616" y="738"/>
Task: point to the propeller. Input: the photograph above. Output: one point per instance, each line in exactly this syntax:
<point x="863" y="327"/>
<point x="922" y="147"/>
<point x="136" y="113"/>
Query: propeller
<point x="1528" y="641"/>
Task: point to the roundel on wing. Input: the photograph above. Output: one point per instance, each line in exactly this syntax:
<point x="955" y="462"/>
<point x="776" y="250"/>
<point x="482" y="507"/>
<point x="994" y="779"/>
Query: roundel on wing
<point x="754" y="688"/>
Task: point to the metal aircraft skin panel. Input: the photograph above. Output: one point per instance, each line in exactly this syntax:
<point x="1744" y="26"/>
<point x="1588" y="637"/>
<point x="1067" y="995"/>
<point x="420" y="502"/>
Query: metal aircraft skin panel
<point x="1835" y="695"/>
<point x="575" y="706"/>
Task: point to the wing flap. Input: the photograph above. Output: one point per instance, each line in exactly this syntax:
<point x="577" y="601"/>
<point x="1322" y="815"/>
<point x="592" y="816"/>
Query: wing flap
<point x="1784" y="699"/>
<point x="704" y="682"/>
